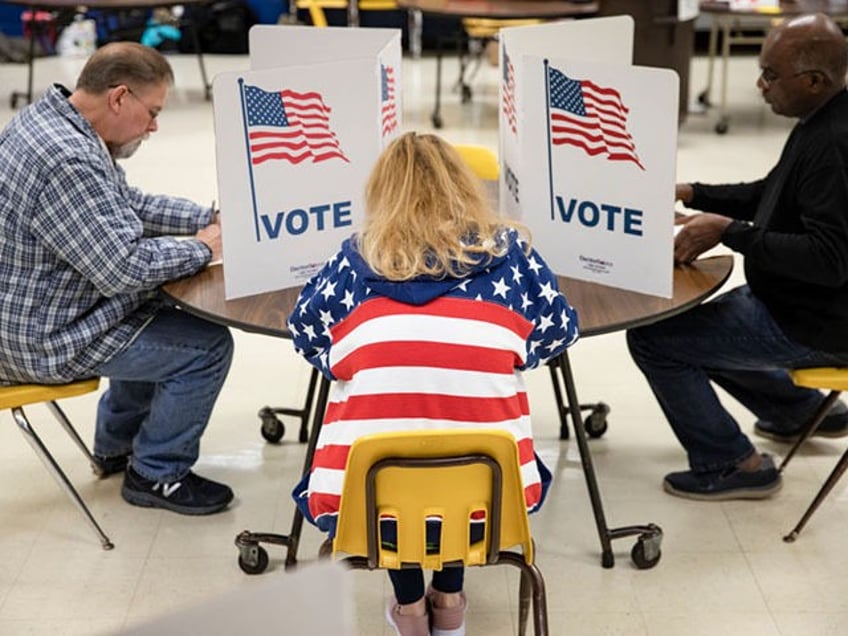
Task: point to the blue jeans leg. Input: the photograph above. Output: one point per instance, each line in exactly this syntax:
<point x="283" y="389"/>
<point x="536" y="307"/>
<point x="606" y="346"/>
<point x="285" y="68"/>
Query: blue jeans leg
<point x="734" y="342"/>
<point x="162" y="388"/>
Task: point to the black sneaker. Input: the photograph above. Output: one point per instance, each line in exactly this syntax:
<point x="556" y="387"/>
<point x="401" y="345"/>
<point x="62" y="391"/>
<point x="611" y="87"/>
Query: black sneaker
<point x="833" y="425"/>
<point x="732" y="483"/>
<point x="105" y="466"/>
<point x="189" y="495"/>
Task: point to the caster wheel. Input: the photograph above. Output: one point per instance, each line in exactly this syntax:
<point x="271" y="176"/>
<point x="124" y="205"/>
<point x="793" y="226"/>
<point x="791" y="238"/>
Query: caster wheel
<point x="437" y="121"/>
<point x="272" y="428"/>
<point x="256" y="565"/>
<point x="607" y="560"/>
<point x="596" y="422"/>
<point x="721" y="127"/>
<point x="704" y="99"/>
<point x="646" y="551"/>
<point x="466" y="93"/>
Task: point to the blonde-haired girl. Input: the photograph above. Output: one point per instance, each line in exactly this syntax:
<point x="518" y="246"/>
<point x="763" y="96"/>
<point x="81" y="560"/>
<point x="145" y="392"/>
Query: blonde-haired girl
<point x="435" y="285"/>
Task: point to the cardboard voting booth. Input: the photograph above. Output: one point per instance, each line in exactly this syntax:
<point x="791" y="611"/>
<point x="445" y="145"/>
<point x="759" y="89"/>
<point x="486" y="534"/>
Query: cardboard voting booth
<point x="296" y="138"/>
<point x="588" y="152"/>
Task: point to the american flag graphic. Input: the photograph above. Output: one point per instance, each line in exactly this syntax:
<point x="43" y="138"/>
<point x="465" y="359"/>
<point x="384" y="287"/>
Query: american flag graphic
<point x="388" y="107"/>
<point x="448" y="363"/>
<point x="289" y="126"/>
<point x="509" y="93"/>
<point x="590" y="117"/>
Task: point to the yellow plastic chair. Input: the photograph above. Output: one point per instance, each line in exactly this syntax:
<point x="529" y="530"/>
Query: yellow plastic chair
<point x="835" y="379"/>
<point x="369" y="5"/>
<point x="316" y="9"/>
<point x="481" y="160"/>
<point x="18" y="396"/>
<point x="414" y="476"/>
<point x="319" y="18"/>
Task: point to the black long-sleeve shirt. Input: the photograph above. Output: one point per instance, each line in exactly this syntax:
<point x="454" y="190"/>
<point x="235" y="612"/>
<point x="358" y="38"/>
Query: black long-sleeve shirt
<point x="792" y="228"/>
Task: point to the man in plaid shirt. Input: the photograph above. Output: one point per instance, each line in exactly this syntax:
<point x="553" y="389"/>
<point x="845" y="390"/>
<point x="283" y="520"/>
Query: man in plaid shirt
<point x="82" y="255"/>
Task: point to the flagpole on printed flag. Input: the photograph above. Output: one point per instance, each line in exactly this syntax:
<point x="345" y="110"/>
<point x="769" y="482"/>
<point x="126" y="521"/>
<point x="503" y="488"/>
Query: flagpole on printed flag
<point x="249" y="160"/>
<point x="548" y="125"/>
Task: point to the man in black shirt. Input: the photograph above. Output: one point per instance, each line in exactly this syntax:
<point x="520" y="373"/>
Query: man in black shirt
<point x="792" y="229"/>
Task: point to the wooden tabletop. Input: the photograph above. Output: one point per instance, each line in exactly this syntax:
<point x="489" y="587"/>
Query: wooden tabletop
<point x="600" y="309"/>
<point x="502" y="9"/>
<point x="793" y="7"/>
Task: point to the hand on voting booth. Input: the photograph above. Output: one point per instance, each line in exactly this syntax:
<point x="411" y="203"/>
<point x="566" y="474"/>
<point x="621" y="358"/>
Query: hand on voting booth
<point x="588" y="151"/>
<point x="296" y="137"/>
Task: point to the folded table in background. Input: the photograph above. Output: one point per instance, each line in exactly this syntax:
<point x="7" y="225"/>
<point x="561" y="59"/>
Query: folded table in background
<point x="113" y="6"/>
<point x="734" y="26"/>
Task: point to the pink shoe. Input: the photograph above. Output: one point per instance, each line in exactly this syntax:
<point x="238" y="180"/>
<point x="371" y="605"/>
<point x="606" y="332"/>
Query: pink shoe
<point x="447" y="621"/>
<point x="407" y="625"/>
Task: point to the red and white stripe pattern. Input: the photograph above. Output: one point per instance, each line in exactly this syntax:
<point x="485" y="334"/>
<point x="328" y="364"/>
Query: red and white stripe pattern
<point x="591" y="117"/>
<point x="289" y="126"/>
<point x="448" y="364"/>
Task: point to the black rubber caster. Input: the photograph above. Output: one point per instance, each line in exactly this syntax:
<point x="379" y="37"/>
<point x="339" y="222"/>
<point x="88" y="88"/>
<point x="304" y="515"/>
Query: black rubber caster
<point x="253" y="559"/>
<point x="437" y="121"/>
<point x="704" y="99"/>
<point x="466" y="93"/>
<point x="646" y="551"/>
<point x="272" y="428"/>
<point x="722" y="126"/>
<point x="596" y="422"/>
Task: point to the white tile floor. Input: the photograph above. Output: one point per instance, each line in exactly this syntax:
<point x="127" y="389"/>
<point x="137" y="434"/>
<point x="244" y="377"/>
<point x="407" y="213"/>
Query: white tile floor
<point x="724" y="567"/>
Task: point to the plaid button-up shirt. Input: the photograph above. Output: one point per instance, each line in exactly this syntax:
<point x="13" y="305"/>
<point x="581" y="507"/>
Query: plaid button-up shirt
<point x="81" y="252"/>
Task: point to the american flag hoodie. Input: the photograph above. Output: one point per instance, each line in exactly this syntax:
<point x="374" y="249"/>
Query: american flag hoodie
<point x="426" y="354"/>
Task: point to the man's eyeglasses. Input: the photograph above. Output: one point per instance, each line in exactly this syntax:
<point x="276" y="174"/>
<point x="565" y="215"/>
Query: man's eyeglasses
<point x="769" y="77"/>
<point x="152" y="113"/>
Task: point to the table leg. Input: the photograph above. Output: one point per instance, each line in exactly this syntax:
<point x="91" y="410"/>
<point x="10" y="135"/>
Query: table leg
<point x="723" y="118"/>
<point x="207" y="89"/>
<point x="436" y="117"/>
<point x="16" y="95"/>
<point x="646" y="551"/>
<point x="415" y="22"/>
<point x="253" y="558"/>
<point x="705" y="95"/>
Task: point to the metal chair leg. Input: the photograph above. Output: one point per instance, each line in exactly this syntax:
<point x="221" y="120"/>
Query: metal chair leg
<point x="523" y="602"/>
<point x="811" y="427"/>
<point x="828" y="485"/>
<point x="532" y="586"/>
<point x="58" y="474"/>
<point x="59" y="414"/>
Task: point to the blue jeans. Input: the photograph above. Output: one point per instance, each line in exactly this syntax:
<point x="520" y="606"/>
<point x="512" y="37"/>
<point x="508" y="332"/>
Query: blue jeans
<point x="733" y="341"/>
<point x="162" y="387"/>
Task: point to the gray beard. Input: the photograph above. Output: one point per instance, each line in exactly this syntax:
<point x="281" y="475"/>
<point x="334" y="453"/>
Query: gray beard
<point x="126" y="150"/>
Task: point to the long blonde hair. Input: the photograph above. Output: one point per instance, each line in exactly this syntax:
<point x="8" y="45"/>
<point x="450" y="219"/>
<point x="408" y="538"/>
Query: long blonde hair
<point x="426" y="213"/>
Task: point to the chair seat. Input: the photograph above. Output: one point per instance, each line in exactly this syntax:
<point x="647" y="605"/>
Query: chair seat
<point x="833" y="378"/>
<point x="23" y="394"/>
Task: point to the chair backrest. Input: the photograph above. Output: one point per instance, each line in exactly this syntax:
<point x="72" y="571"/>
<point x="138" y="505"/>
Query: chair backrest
<point x="483" y="28"/>
<point x="481" y="160"/>
<point x="378" y="5"/>
<point x="426" y="483"/>
<point x="316" y="9"/>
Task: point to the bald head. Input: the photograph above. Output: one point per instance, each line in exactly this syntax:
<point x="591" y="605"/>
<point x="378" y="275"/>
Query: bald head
<point x="813" y="42"/>
<point x="803" y="62"/>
